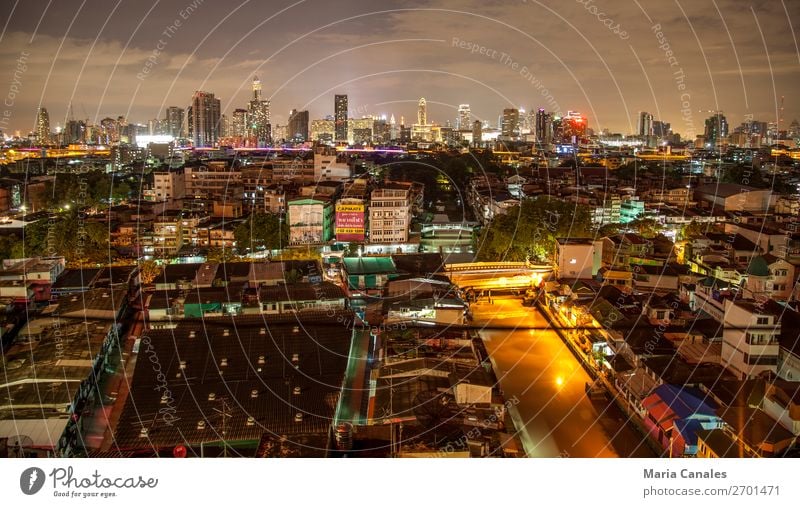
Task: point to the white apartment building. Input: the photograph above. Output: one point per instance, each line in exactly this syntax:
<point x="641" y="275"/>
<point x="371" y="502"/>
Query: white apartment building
<point x="389" y="215"/>
<point x="750" y="339"/>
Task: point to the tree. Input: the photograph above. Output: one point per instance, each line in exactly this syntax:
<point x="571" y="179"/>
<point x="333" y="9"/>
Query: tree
<point x="261" y="231"/>
<point x="692" y="230"/>
<point x="220" y="255"/>
<point x="148" y="271"/>
<point x="646" y="227"/>
<point x="529" y="230"/>
<point x="69" y="235"/>
<point x="608" y="230"/>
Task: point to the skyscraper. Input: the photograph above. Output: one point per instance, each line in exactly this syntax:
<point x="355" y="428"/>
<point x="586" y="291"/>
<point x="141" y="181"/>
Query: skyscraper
<point x="464" y="117"/>
<point x="340" y="118"/>
<point x="239" y="123"/>
<point x="510" y="123"/>
<point x="716" y="129"/>
<point x="42" y="125"/>
<point x="298" y="125"/>
<point x="645" y="125"/>
<point x="422" y="112"/>
<point x="204" y="119"/>
<point x="174" y="121"/>
<point x="661" y="129"/>
<point x="477" y="132"/>
<point x="258" y="116"/>
<point x="544" y="127"/>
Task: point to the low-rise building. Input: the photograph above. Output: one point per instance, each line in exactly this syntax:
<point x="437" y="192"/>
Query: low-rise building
<point x="310" y="221"/>
<point x="751" y="336"/>
<point x="389" y="215"/>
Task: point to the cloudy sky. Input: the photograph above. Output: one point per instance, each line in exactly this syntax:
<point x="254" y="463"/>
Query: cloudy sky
<point x="603" y="58"/>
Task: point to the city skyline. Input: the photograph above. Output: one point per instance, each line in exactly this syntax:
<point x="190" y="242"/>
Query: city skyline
<point x="385" y="59"/>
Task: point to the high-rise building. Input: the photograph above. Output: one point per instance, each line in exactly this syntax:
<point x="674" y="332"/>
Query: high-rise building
<point x="109" y="131"/>
<point x="154" y="127"/>
<point x="258" y="116"/>
<point x="393" y="132"/>
<point x="527" y="121"/>
<point x="464" y="117"/>
<point x="544" y="127"/>
<point x="661" y="129"/>
<point x="42" y="125"/>
<point x="422" y="112"/>
<point x="340" y="118"/>
<point x="322" y="130"/>
<point x="239" y="123"/>
<point x="573" y="127"/>
<point x="645" y="125"/>
<point x="510" y="123"/>
<point x="298" y="125"/>
<point x="477" y="132"/>
<point x="174" y="121"/>
<point x="204" y="119"/>
<point x="75" y="131"/>
<point x="716" y="129"/>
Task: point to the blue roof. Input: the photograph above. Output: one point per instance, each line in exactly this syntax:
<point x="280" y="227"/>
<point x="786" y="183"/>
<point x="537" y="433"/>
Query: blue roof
<point x="688" y="429"/>
<point x="684" y="402"/>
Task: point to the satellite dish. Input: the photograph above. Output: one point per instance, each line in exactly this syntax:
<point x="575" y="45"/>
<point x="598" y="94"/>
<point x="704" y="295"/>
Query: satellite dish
<point x="17" y="445"/>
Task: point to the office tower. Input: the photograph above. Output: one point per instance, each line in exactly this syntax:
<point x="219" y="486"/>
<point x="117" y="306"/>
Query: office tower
<point x="75" y="131"/>
<point x="510" y="122"/>
<point x="464" y="117"/>
<point x="661" y="129"/>
<point x="422" y="112"/>
<point x="204" y="119"/>
<point x="527" y="121"/>
<point x="225" y="126"/>
<point x="258" y="116"/>
<point x="716" y="129"/>
<point x="298" y="125"/>
<point x="42" y="125"/>
<point x="477" y="132"/>
<point x="340" y="118"/>
<point x="645" y="125"/>
<point x="544" y="127"/>
<point x="239" y="123"/>
<point x="573" y="127"/>
<point x="174" y="121"/>
<point x="393" y="131"/>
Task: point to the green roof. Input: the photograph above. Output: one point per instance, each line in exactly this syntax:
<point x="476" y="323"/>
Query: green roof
<point x="298" y="202"/>
<point x="758" y="266"/>
<point x="369" y="265"/>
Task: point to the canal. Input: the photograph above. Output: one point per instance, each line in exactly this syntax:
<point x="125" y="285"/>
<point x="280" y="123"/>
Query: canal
<point x="546" y="384"/>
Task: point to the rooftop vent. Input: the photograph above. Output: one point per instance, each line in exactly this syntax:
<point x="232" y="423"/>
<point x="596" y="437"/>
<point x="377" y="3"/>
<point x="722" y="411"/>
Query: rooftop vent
<point x="212" y="396"/>
<point x="182" y="365"/>
<point x="254" y="393"/>
<point x="143" y="432"/>
<point x="201" y="425"/>
<point x="251" y="421"/>
<point x="262" y="360"/>
<point x="296" y="390"/>
<point x="225" y="332"/>
<point x="223" y="362"/>
<point x="262" y="331"/>
<point x="298" y="417"/>
<point x="192" y="334"/>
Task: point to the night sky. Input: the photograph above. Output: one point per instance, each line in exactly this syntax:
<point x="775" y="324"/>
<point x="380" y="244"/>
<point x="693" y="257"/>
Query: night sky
<point x="600" y="58"/>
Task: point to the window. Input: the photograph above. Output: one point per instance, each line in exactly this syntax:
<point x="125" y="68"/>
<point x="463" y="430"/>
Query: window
<point x="762" y="321"/>
<point x="760" y="360"/>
